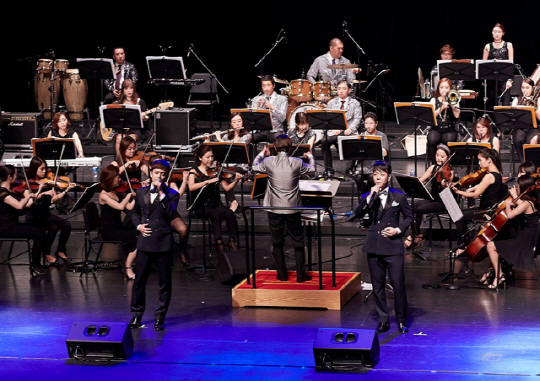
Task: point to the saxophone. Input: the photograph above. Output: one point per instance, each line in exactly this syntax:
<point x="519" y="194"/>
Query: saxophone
<point x="531" y="100"/>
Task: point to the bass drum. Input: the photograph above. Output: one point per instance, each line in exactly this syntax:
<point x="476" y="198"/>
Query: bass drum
<point x="75" y="93"/>
<point x="302" y="108"/>
<point x="43" y="90"/>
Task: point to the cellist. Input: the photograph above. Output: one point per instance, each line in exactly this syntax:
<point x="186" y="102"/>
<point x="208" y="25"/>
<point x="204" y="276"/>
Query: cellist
<point x="490" y="190"/>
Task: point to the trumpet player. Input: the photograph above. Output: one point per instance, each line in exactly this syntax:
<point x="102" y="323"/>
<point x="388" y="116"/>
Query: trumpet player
<point x="528" y="97"/>
<point x="277" y="104"/>
<point x="447" y="112"/>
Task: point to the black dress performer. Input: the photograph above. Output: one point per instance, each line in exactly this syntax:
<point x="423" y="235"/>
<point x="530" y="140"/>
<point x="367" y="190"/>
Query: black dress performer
<point x="153" y="214"/>
<point x="383" y="243"/>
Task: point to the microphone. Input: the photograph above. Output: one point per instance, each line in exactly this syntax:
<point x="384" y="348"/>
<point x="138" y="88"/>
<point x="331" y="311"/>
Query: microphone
<point x="51" y="52"/>
<point x="343" y="28"/>
<point x="370" y="67"/>
<point x="189" y="50"/>
<point x="384" y="71"/>
<point x="285" y="36"/>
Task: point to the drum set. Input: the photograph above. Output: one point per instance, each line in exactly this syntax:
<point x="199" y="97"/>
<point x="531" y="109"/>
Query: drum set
<point x="52" y="76"/>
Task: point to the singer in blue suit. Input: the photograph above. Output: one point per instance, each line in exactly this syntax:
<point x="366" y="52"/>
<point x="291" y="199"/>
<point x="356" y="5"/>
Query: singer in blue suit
<point x="383" y="243"/>
<point x="154" y="210"/>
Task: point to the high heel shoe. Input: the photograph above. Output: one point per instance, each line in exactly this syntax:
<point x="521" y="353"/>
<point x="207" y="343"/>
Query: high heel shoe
<point x="47" y="263"/>
<point x="37" y="270"/>
<point x="488" y="276"/>
<point x="497" y="282"/>
<point x="65" y="259"/>
<point x="184" y="260"/>
<point x="408" y="243"/>
<point x="126" y="275"/>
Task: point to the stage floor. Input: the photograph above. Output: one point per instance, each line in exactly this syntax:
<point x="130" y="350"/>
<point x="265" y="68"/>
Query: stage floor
<point x="454" y="334"/>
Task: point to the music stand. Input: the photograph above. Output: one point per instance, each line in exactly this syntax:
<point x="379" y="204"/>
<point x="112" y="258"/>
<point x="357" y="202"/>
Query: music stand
<point x="50" y="148"/>
<point x="494" y="69"/>
<point x="255" y="119"/>
<point x="96" y="69"/>
<point x="163" y="67"/>
<point x="464" y="154"/>
<point x="360" y="148"/>
<point x="238" y="153"/>
<point x="531" y="152"/>
<point x="260" y="182"/>
<point x="85" y="197"/>
<point x="413" y="114"/>
<point x="515" y="117"/>
<point x="121" y="117"/>
<point x="414" y="188"/>
<point x="456" y="69"/>
<point x="297" y="150"/>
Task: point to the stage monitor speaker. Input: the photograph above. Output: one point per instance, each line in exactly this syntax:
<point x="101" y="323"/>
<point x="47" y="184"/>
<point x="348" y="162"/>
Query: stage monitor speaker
<point x="346" y="349"/>
<point x="99" y="341"/>
<point x="175" y="128"/>
<point x="19" y="128"/>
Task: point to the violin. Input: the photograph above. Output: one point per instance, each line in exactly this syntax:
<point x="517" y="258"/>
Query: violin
<point x="177" y="174"/>
<point x="225" y="173"/>
<point x="445" y="173"/>
<point x="61" y="182"/>
<point x="145" y="156"/>
<point x="21" y="186"/>
<point x="471" y="179"/>
<point x="124" y="186"/>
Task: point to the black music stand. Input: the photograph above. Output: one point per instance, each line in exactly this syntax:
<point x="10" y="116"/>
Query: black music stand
<point x="260" y="182"/>
<point x="531" y="152"/>
<point x="50" y="148"/>
<point x="464" y="154"/>
<point x="414" y="188"/>
<point x="414" y="114"/>
<point x="360" y="148"/>
<point x="327" y="120"/>
<point x="121" y="118"/>
<point x="162" y="67"/>
<point x="522" y="117"/>
<point x="494" y="69"/>
<point x="297" y="150"/>
<point x="456" y="69"/>
<point x="255" y="119"/>
<point x="96" y="69"/>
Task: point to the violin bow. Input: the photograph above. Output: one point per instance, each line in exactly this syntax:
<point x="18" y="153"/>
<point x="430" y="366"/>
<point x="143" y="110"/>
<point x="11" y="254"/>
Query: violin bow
<point x="23" y="170"/>
<point x="440" y="169"/>
<point x="125" y="172"/>
<point x="58" y="167"/>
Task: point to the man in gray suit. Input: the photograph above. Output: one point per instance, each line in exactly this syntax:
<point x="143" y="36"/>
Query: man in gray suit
<point x="319" y="68"/>
<point x="277" y="104"/>
<point x="284" y="191"/>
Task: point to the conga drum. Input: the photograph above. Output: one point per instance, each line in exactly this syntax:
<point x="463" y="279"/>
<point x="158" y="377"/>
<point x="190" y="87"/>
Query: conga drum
<point x="75" y="93"/>
<point x="44" y="65"/>
<point x="43" y="90"/>
<point x="61" y="66"/>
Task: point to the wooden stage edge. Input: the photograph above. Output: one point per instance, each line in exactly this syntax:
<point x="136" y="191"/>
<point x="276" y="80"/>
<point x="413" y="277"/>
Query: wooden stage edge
<point x="273" y="293"/>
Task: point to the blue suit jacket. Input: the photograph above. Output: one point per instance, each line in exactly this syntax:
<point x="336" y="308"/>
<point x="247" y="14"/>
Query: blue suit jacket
<point x="396" y="204"/>
<point x="158" y="216"/>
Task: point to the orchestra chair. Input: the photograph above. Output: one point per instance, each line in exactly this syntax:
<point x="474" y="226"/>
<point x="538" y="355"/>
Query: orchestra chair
<point x="12" y="241"/>
<point x="92" y="222"/>
<point x="205" y="94"/>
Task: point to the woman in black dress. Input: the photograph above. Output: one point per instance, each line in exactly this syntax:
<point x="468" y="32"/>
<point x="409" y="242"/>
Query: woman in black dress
<point x="112" y="204"/>
<point x="60" y="129"/>
<point x="517" y="247"/>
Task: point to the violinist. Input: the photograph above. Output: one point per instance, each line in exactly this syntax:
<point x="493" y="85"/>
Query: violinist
<point x="209" y="205"/>
<point x="490" y="189"/>
<point x="483" y="134"/>
<point x="447" y="115"/>
<point x="517" y="246"/>
<point x="439" y="178"/>
<point x="112" y="227"/>
<point x="523" y="136"/>
<point x="39" y="213"/>
<point x="60" y="129"/>
<point x="12" y="206"/>
<point x="527" y="168"/>
<point x="128" y="160"/>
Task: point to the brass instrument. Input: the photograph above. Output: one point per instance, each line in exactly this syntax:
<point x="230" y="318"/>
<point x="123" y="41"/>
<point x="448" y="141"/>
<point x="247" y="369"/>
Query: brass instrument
<point x="531" y="100"/>
<point x="453" y="97"/>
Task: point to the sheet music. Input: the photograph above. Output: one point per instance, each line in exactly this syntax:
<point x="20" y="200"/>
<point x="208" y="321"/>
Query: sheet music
<point x="452" y="206"/>
<point x="310" y="186"/>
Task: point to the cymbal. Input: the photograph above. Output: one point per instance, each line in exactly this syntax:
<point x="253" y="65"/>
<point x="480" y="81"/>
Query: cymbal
<point x="343" y="66"/>
<point x="358" y="81"/>
<point x="277" y="80"/>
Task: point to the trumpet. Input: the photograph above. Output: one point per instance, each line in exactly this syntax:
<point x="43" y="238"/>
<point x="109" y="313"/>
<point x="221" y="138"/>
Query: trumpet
<point x="213" y="133"/>
<point x="453" y="97"/>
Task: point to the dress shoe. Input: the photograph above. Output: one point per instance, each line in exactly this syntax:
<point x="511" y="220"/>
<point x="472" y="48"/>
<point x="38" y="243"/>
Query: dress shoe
<point x="383" y="327"/>
<point x="37" y="270"/>
<point x="403" y="328"/>
<point x="284" y="278"/>
<point x="303" y="278"/>
<point x="135" y="322"/>
<point x="160" y="325"/>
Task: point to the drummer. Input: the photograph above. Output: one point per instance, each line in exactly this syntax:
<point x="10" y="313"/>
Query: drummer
<point x="319" y="69"/>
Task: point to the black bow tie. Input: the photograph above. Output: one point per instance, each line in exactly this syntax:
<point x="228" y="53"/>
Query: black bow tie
<point x="384" y="192"/>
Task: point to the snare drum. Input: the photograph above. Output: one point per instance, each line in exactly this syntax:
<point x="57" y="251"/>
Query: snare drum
<point x="300" y="90"/>
<point x="61" y="65"/>
<point x="44" y="65"/>
<point x="75" y="93"/>
<point x="323" y="91"/>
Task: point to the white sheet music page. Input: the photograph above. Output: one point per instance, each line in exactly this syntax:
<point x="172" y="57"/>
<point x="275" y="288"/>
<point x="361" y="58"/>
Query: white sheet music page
<point x="452" y="206"/>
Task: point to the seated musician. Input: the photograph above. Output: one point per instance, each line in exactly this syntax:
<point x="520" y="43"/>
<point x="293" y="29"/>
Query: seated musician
<point x="490" y="190"/>
<point x="39" y="213"/>
<point x="447" y="115"/>
<point x="353" y="114"/>
<point x="208" y="204"/>
<point x="527" y="168"/>
<point x="301" y="133"/>
<point x="483" y="134"/>
<point x="517" y="246"/>
<point x="363" y="175"/>
<point x="438" y="183"/>
<point x="129" y="96"/>
<point x="112" y="228"/>
<point x="60" y="129"/>
<point x="523" y="136"/>
<point x="128" y="161"/>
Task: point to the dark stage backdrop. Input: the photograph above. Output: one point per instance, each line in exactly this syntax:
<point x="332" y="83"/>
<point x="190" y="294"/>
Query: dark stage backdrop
<point x="230" y="38"/>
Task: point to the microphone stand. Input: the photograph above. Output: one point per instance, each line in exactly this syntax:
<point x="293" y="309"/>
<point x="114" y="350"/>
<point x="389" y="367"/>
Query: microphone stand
<point x="261" y="61"/>
<point x="359" y="51"/>
<point x="212" y="78"/>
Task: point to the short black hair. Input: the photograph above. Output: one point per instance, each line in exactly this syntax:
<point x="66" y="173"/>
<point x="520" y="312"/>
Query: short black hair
<point x="381" y="165"/>
<point x="268" y="78"/>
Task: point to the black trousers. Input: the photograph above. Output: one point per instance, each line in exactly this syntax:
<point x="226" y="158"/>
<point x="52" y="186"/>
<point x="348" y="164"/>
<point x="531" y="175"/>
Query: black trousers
<point x="326" y="144"/>
<point x="216" y="215"/>
<point x="378" y="266"/>
<point x="522" y="136"/>
<point x="461" y="225"/>
<point x="143" y="261"/>
<point x="52" y="224"/>
<point x="35" y="233"/>
<point x="293" y="223"/>
<point x="436" y="137"/>
<point x="422" y="207"/>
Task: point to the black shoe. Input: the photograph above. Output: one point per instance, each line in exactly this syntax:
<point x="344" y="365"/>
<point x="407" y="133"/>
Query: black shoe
<point x="38" y="270"/>
<point x="383" y="327"/>
<point x="135" y="322"/>
<point x="160" y="325"/>
<point x="402" y="328"/>
<point x="303" y="278"/>
<point x="282" y="278"/>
